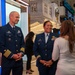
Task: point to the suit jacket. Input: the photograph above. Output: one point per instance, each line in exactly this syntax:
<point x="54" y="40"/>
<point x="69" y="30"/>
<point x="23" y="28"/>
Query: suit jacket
<point x="42" y="49"/>
<point x="11" y="42"/>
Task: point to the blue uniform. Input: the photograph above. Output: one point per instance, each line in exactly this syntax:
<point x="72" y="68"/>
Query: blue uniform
<point x="11" y="42"/>
<point x="44" y="50"/>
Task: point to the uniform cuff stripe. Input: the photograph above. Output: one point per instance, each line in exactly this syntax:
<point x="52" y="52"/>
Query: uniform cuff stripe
<point x="7" y="53"/>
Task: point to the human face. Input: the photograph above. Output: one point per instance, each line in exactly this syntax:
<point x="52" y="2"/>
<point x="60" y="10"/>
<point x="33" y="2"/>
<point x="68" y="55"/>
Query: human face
<point x="48" y="27"/>
<point x="14" y="18"/>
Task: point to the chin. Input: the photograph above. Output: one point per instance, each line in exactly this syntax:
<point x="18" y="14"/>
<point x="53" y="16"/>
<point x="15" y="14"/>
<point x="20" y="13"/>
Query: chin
<point x="16" y="22"/>
<point x="48" y="31"/>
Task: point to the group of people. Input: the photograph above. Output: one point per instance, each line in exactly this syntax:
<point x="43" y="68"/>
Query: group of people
<point x="55" y="54"/>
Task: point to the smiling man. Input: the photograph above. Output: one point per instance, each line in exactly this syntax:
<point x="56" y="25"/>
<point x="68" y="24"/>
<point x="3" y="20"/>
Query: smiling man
<point x="12" y="46"/>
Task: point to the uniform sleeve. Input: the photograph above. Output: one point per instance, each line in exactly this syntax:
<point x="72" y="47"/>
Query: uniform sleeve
<point x="56" y="51"/>
<point x="22" y="44"/>
<point x="6" y="52"/>
<point x="35" y="48"/>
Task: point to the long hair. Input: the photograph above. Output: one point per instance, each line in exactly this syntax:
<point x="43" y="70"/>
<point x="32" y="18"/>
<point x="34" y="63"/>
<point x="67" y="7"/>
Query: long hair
<point x="30" y="35"/>
<point x="67" y="28"/>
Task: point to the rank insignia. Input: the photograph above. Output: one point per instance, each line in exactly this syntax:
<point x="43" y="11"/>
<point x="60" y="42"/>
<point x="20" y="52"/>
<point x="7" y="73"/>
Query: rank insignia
<point x="53" y="38"/>
<point x="9" y="39"/>
<point x="39" y="40"/>
<point x="8" y="32"/>
<point x="38" y="43"/>
<point x="7" y="53"/>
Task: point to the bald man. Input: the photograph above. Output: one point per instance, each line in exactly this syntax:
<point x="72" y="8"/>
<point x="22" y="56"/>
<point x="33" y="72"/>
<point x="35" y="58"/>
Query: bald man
<point x="12" y="46"/>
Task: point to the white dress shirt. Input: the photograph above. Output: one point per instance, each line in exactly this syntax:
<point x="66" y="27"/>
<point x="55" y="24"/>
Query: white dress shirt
<point x="46" y="37"/>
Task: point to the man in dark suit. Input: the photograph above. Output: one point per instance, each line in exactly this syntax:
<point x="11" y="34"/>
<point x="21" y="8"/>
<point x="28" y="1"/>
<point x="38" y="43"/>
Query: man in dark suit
<point x="12" y="46"/>
<point x="42" y="48"/>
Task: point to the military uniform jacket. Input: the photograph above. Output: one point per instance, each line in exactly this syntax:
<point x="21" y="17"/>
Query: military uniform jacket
<point x="42" y="49"/>
<point x="11" y="41"/>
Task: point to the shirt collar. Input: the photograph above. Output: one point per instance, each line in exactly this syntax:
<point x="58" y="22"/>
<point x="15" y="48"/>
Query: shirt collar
<point x="11" y="26"/>
<point x="47" y="33"/>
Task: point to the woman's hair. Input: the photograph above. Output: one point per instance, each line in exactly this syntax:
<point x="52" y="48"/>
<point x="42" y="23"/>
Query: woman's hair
<point x="67" y="28"/>
<point x="46" y="22"/>
<point x="30" y="35"/>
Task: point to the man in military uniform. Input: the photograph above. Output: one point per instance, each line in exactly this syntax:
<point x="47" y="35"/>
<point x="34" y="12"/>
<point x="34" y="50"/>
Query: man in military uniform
<point x="42" y="48"/>
<point x="12" y="46"/>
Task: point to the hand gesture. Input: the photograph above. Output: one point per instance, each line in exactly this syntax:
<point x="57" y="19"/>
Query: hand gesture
<point x="43" y="62"/>
<point x="17" y="56"/>
<point x="49" y="63"/>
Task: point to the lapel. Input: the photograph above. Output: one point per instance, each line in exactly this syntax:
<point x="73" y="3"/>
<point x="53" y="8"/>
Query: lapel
<point x="43" y="37"/>
<point x="49" y="38"/>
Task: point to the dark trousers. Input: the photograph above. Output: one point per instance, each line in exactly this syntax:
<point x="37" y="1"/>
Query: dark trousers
<point x="16" y="69"/>
<point x="43" y="70"/>
<point x="28" y="66"/>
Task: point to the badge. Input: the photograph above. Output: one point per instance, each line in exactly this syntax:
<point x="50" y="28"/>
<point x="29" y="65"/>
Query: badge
<point x="38" y="43"/>
<point x="9" y="39"/>
<point x="39" y="40"/>
<point x="53" y="38"/>
<point x="18" y="31"/>
<point x="8" y="32"/>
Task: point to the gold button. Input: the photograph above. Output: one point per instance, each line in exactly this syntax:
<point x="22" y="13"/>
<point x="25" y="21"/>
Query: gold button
<point x="46" y="50"/>
<point x="4" y="50"/>
<point x="16" y="40"/>
<point x="17" y="50"/>
<point x="16" y="45"/>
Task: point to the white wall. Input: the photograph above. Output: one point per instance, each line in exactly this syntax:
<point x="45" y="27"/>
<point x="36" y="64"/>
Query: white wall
<point x="24" y="22"/>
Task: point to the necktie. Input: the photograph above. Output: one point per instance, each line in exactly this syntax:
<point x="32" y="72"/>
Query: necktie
<point x="46" y="37"/>
<point x="14" y="30"/>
